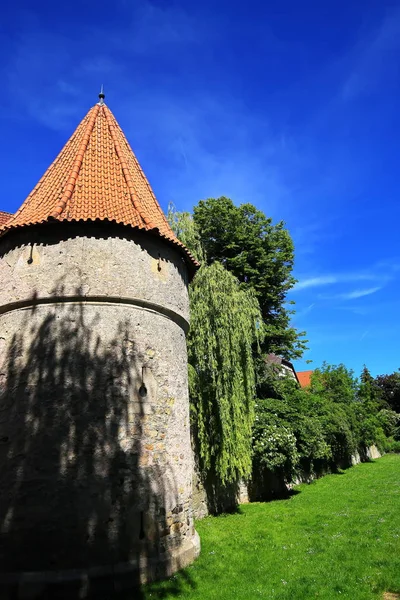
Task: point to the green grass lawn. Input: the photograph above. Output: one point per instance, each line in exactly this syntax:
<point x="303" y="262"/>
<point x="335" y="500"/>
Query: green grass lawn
<point x="337" y="538"/>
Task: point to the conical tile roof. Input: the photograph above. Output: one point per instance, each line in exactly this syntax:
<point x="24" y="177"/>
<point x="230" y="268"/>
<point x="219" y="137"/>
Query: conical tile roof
<point x="4" y="217"/>
<point x="96" y="176"/>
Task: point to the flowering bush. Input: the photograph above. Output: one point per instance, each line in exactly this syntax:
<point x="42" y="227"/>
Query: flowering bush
<point x="274" y="443"/>
<point x="322" y="426"/>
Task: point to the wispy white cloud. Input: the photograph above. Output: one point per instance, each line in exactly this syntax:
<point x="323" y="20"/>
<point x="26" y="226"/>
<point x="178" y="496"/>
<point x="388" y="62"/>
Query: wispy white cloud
<point x="310" y="235"/>
<point x="323" y="280"/>
<point x="381" y="273"/>
<point x="305" y="311"/>
<point x="315" y="282"/>
<point x="153" y="26"/>
<point x="204" y="144"/>
<point x="207" y="155"/>
<point x="359" y="293"/>
<point x="353" y="295"/>
<point x="371" y="58"/>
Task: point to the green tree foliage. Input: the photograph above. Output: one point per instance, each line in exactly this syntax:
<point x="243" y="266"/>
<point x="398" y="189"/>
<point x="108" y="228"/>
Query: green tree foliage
<point x="335" y="383"/>
<point x="390" y="389"/>
<point x="260" y="255"/>
<point x="368" y="420"/>
<point x="294" y="416"/>
<point x="274" y="443"/>
<point x="225" y="324"/>
<point x="337" y="416"/>
<point x="319" y="426"/>
<point x="237" y="296"/>
<point x="373" y="424"/>
<point x="369" y="391"/>
<point x="186" y="231"/>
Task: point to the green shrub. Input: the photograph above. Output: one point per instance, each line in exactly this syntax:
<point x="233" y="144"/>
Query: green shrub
<point x="274" y="443"/>
<point x="391" y="445"/>
<point x="389" y="421"/>
<point x="325" y="424"/>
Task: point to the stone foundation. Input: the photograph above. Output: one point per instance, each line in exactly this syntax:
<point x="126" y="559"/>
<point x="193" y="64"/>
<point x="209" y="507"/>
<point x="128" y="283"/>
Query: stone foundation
<point x="96" y="581"/>
<point x="212" y="498"/>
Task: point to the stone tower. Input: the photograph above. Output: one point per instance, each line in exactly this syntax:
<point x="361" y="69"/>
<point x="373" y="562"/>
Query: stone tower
<point x="95" y="457"/>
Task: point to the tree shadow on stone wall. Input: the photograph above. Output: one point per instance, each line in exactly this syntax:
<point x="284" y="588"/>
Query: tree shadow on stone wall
<point x="208" y="489"/>
<point x="221" y="498"/>
<point x="82" y="497"/>
<point x="265" y="485"/>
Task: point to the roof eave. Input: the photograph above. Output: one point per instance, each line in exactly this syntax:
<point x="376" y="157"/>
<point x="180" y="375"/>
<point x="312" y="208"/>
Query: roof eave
<point x="192" y="264"/>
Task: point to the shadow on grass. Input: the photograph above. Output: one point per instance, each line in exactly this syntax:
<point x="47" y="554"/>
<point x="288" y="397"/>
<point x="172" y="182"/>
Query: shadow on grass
<point x="234" y="510"/>
<point x="178" y="584"/>
<point x="267" y="486"/>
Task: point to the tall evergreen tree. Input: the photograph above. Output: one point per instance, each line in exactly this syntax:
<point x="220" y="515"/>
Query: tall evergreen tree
<point x="369" y="391"/>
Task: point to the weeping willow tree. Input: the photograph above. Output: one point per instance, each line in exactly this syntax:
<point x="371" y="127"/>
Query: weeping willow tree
<point x="186" y="231"/>
<point x="225" y="326"/>
<point x="225" y="323"/>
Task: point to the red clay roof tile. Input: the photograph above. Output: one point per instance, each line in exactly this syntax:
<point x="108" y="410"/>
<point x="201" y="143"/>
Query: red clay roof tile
<point x="96" y="176"/>
<point x="4" y="217"/>
<point x="304" y="378"/>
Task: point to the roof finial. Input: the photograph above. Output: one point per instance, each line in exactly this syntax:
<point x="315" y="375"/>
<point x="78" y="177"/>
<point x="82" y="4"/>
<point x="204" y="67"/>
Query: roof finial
<point x="101" y="95"/>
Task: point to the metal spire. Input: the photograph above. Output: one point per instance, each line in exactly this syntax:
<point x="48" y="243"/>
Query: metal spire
<point x="101" y="95"/>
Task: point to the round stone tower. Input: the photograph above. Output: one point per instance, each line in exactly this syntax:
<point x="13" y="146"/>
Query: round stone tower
<point x="95" y="457"/>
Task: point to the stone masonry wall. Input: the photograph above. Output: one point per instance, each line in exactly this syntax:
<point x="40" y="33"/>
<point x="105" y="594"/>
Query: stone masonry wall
<point x="93" y="261"/>
<point x="208" y="501"/>
<point x="245" y="491"/>
<point x="95" y="456"/>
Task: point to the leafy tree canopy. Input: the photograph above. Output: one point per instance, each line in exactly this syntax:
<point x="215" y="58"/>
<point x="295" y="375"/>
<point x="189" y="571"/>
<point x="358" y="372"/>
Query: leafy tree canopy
<point x="336" y="383"/>
<point x="390" y="389"/>
<point x="260" y="255"/>
<point x="226" y="327"/>
<point x="186" y="231"/>
<point x="337" y="416"/>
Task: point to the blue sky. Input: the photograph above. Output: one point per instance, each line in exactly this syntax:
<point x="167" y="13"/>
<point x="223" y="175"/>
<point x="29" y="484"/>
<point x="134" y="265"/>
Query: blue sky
<point x="291" y="106"/>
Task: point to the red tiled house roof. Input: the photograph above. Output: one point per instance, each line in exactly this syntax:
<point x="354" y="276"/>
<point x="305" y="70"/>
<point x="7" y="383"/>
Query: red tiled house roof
<point x="4" y="217"/>
<point x="304" y="378"/>
<point x="95" y="177"/>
